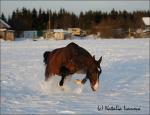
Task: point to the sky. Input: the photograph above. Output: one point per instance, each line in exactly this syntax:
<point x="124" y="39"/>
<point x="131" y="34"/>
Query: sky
<point x="7" y="6"/>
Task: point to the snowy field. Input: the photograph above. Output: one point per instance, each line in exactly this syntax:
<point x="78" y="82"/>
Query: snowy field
<point x="123" y="82"/>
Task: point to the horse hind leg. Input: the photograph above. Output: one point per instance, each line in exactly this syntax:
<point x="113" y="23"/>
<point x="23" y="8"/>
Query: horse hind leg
<point x="62" y="81"/>
<point x="46" y="77"/>
<point x="47" y="74"/>
<point x="63" y="72"/>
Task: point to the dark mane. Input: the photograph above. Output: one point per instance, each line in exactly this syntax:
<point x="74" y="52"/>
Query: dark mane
<point x="78" y="48"/>
<point x="78" y="51"/>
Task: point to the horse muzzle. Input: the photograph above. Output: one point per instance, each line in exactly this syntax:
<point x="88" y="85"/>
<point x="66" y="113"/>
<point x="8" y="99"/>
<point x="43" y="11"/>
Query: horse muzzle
<point x="95" y="87"/>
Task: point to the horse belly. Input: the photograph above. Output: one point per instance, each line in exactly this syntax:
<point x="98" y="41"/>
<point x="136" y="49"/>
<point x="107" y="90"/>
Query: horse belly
<point x="82" y="71"/>
<point x="55" y="64"/>
<point x="54" y="69"/>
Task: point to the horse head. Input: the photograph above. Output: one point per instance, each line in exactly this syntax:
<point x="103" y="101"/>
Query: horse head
<point x="94" y="73"/>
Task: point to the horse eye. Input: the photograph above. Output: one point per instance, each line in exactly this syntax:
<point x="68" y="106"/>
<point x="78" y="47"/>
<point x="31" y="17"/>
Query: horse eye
<point x="100" y="72"/>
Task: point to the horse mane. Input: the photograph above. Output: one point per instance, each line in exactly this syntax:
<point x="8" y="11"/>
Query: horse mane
<point x="80" y="55"/>
<point x="77" y="49"/>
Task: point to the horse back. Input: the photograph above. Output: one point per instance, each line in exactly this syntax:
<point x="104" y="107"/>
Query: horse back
<point x="72" y="57"/>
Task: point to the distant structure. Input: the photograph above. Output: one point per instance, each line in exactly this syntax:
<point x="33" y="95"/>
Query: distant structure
<point x="30" y="34"/>
<point x="48" y="34"/>
<point x="146" y="21"/>
<point x="5" y="32"/>
<point x="143" y="32"/>
<point x="77" y="32"/>
<point x="146" y="31"/>
<point x="57" y="34"/>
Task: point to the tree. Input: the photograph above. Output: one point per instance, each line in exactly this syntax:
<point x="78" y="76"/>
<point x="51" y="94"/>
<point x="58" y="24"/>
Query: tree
<point x="34" y="19"/>
<point x="95" y="21"/>
<point x="3" y="17"/>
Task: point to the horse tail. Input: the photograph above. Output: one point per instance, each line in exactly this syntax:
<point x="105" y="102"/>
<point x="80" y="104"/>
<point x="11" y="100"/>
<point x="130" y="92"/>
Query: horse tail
<point x="45" y="56"/>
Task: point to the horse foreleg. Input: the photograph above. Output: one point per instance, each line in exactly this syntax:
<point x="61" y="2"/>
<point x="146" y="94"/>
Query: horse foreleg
<point x="84" y="80"/>
<point x="79" y="82"/>
<point x="62" y="81"/>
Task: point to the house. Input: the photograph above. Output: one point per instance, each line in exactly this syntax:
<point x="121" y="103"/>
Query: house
<point x="57" y="34"/>
<point x="119" y="33"/>
<point x="77" y="32"/>
<point x="5" y="32"/>
<point x="30" y="34"/>
<point x="143" y="32"/>
<point x="146" y="21"/>
<point x="146" y="31"/>
<point x="48" y="34"/>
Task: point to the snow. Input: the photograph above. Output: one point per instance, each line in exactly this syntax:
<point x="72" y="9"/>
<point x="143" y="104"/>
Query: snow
<point x="124" y="80"/>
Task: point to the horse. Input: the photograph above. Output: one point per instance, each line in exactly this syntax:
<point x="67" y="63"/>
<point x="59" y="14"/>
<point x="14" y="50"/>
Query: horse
<point x="71" y="59"/>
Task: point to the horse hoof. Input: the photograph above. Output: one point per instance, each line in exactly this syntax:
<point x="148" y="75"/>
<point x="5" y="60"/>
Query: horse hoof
<point x="78" y="82"/>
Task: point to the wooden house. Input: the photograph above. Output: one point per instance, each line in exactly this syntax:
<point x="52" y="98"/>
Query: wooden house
<point x="5" y="32"/>
<point x="146" y="31"/>
<point x="48" y="34"/>
<point x="30" y="34"/>
<point x="57" y="34"/>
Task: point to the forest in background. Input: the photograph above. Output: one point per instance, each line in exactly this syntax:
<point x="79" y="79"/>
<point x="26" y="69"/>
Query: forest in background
<point x="92" y="21"/>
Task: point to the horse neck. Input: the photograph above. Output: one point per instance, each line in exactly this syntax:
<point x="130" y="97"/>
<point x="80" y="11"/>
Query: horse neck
<point x="89" y="63"/>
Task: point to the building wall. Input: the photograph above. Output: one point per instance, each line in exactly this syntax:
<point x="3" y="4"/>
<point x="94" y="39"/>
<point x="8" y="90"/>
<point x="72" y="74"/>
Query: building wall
<point x="30" y="34"/>
<point x="2" y="35"/>
<point x="59" y="36"/>
<point x="7" y="35"/>
<point x="48" y="35"/>
<point x="54" y="35"/>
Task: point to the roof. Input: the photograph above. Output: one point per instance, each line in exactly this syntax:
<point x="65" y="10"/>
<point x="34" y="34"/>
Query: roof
<point x="30" y="31"/>
<point x="5" y="30"/>
<point x="58" y="30"/>
<point x="146" y="21"/>
<point x="4" y="24"/>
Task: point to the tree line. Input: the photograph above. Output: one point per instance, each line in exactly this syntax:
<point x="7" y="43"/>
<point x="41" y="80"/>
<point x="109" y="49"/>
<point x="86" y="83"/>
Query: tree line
<point x="93" y="21"/>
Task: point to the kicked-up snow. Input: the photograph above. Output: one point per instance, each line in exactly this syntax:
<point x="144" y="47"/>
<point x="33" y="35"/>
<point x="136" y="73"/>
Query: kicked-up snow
<point x="123" y="88"/>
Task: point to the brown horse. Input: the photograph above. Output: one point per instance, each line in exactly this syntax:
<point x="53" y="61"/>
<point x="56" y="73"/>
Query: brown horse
<point x="71" y="59"/>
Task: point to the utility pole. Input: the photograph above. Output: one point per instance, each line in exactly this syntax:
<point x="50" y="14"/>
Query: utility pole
<point x="129" y="32"/>
<point x="49" y="22"/>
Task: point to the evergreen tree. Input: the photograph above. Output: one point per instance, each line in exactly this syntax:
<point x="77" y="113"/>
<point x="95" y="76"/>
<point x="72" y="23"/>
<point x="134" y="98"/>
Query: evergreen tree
<point x="95" y="21"/>
<point x="3" y="17"/>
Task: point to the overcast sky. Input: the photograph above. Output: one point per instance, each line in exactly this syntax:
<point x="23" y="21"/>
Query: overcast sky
<point x="7" y="6"/>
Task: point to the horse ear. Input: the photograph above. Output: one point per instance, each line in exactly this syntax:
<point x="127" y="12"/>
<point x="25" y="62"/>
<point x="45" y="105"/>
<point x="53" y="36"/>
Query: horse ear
<point x="100" y="60"/>
<point x="94" y="57"/>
